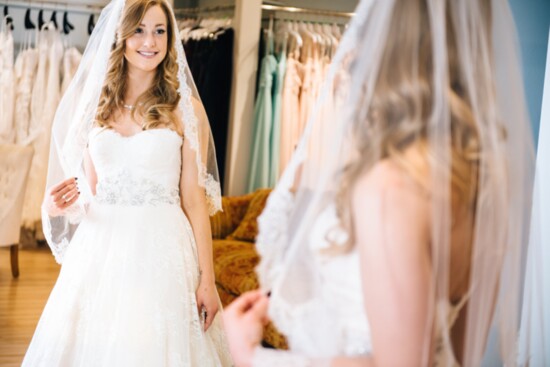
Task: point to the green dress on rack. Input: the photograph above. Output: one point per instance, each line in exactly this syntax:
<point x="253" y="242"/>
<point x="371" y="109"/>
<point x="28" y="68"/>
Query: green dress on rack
<point x="263" y="117"/>
<point x="275" y="150"/>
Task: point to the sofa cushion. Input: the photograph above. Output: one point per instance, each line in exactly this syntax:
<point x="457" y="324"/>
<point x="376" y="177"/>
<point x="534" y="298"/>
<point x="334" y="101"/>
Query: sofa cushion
<point x="234" y="208"/>
<point x="234" y="263"/>
<point x="248" y="228"/>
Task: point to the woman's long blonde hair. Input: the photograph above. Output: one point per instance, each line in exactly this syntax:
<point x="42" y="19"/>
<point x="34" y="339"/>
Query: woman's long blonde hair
<point x="156" y="105"/>
<point x="399" y="113"/>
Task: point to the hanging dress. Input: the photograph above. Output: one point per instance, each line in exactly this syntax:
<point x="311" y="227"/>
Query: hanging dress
<point x="45" y="97"/>
<point x="290" y="109"/>
<point x="7" y="89"/>
<point x="25" y="71"/>
<point x="263" y="115"/>
<point x="71" y="60"/>
<point x="275" y="141"/>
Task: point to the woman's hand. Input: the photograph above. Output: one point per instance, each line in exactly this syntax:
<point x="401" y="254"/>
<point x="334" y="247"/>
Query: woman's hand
<point x="61" y="196"/>
<point x="244" y="320"/>
<point x="207" y="301"/>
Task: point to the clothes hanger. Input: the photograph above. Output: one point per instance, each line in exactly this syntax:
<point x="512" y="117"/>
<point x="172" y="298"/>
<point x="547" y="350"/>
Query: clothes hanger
<point x="28" y="22"/>
<point x="53" y="19"/>
<point x="91" y="24"/>
<point x="8" y="20"/>
<point x="281" y="37"/>
<point x="29" y="26"/>
<point x="41" y="21"/>
<point x="67" y="26"/>
<point x="294" y="48"/>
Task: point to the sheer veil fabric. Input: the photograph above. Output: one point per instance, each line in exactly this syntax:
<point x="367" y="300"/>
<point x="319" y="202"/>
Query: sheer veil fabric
<point x="74" y="121"/>
<point x="487" y="62"/>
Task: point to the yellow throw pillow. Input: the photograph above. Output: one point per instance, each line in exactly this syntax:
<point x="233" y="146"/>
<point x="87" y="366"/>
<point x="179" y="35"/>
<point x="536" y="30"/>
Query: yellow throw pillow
<point x="248" y="228"/>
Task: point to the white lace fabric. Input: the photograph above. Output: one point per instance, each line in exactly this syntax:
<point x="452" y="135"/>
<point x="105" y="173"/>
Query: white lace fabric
<point x="126" y="292"/>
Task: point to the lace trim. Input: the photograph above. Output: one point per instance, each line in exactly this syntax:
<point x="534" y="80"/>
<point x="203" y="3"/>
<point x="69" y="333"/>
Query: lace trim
<point x="190" y="122"/>
<point x="272" y="238"/>
<point x="124" y="190"/>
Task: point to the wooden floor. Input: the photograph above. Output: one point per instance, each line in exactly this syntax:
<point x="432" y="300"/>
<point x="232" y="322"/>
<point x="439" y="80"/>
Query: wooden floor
<point x="22" y="300"/>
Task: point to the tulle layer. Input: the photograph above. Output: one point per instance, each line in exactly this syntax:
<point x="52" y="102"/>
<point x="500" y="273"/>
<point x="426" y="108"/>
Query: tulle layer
<point x="126" y="295"/>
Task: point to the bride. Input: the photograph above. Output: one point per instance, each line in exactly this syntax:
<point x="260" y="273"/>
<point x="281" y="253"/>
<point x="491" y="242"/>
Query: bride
<point x="131" y="224"/>
<point x="395" y="235"/>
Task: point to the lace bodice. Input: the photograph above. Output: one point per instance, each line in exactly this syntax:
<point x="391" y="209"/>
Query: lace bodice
<point x="333" y="322"/>
<point x="142" y="169"/>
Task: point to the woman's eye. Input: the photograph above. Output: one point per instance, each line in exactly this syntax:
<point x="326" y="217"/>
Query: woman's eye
<point x="161" y="31"/>
<point x="139" y="30"/>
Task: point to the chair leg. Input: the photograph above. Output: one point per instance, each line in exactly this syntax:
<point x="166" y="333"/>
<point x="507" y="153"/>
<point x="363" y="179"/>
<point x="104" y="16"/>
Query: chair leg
<point x="14" y="253"/>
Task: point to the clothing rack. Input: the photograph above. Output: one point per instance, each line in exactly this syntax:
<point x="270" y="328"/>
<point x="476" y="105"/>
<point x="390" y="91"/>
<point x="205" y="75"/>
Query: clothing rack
<point x="265" y="7"/>
<point x="276" y="12"/>
<point x="204" y="9"/>
<point x="292" y="9"/>
<point x="81" y="8"/>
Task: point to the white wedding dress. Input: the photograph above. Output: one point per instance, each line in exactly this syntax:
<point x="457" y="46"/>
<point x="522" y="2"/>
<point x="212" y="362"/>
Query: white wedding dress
<point x="125" y="295"/>
<point x="333" y="322"/>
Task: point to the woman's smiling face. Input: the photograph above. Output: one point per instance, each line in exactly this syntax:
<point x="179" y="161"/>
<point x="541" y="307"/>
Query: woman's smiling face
<point x="147" y="47"/>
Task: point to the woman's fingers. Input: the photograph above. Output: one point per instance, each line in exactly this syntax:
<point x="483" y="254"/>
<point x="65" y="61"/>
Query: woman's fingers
<point x="61" y="196"/>
<point x="65" y="195"/>
<point x="72" y="200"/>
<point x="246" y="301"/>
<point x="60" y="186"/>
<point x="210" y="314"/>
<point x="259" y="310"/>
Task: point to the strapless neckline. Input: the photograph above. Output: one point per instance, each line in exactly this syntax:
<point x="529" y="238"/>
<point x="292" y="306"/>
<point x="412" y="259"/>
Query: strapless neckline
<point x="135" y="135"/>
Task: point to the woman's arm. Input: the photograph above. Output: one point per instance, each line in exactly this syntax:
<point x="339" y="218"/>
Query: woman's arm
<point x="391" y="227"/>
<point x="89" y="169"/>
<point x="193" y="202"/>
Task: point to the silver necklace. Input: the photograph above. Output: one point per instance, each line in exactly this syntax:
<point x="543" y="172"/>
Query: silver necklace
<point x="128" y="107"/>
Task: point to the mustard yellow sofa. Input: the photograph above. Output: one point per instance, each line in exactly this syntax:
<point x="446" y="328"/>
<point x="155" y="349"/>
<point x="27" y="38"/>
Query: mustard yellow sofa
<point x="234" y="231"/>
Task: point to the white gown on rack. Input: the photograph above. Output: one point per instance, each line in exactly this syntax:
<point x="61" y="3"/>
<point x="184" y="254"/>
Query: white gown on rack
<point x="125" y="295"/>
<point x="25" y="70"/>
<point x="45" y="98"/>
<point x="71" y="60"/>
<point x="7" y="88"/>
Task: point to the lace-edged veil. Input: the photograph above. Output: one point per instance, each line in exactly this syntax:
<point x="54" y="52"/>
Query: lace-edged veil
<point x="350" y="123"/>
<point x="74" y="120"/>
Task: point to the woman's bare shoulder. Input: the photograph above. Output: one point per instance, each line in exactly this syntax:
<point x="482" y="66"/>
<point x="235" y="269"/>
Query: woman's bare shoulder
<point x="389" y="187"/>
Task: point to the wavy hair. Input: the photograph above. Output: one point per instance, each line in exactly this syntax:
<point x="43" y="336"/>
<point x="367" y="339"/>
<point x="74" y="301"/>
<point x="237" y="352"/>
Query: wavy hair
<point x="400" y="110"/>
<point x="156" y="105"/>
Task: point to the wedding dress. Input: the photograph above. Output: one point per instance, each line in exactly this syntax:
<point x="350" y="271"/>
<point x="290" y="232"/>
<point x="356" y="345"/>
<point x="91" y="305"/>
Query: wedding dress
<point x="35" y="192"/>
<point x="71" y="60"/>
<point x="25" y="69"/>
<point x="45" y="99"/>
<point x="334" y="322"/>
<point x="125" y="295"/>
<point x="7" y="89"/>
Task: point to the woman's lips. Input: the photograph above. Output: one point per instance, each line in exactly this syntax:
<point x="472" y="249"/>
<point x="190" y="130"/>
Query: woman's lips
<point x="148" y="54"/>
